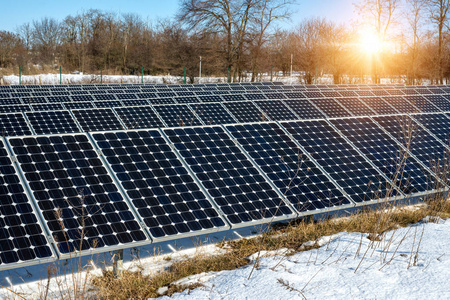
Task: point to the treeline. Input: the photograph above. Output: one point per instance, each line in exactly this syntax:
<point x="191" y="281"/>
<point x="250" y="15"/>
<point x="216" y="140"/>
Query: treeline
<point x="243" y="37"/>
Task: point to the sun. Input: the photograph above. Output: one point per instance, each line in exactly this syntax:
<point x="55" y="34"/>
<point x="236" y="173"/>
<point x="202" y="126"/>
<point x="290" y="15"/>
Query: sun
<point x="370" y="42"/>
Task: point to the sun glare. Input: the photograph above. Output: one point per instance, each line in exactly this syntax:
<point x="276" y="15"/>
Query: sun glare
<point x="370" y="42"/>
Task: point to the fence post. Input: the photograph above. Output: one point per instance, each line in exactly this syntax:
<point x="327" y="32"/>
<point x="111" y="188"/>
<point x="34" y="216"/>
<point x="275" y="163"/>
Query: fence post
<point x="228" y="74"/>
<point x="271" y="69"/>
<point x="315" y="76"/>
<point x="20" y="76"/>
<point x="60" y="76"/>
<point x="101" y="74"/>
<point x="184" y="75"/>
<point x="142" y="72"/>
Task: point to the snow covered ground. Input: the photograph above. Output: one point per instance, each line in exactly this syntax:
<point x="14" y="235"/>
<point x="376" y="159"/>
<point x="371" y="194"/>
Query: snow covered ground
<point x="404" y="265"/>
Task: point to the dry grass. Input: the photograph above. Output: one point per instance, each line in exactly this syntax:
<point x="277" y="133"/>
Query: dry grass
<point x="135" y="285"/>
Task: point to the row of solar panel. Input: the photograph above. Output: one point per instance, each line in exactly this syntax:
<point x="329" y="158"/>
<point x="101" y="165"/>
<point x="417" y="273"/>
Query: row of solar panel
<point x="173" y="115"/>
<point x="120" y="189"/>
<point x="27" y="96"/>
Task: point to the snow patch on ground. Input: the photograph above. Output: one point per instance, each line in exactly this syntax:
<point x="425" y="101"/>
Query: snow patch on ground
<point x="347" y="266"/>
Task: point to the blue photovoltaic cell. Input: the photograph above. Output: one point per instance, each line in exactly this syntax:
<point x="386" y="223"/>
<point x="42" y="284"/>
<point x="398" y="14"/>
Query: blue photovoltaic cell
<point x="57" y="99"/>
<point x="400" y="104"/>
<point x="365" y="93"/>
<point x="50" y="122"/>
<point x="423" y="145"/>
<point x="354" y="174"/>
<point x="276" y="110"/>
<point x="82" y="98"/>
<point x="136" y="102"/>
<point x="139" y="117"/>
<point x="212" y="113"/>
<point x="255" y="96"/>
<point x="355" y="106"/>
<point x="393" y="160"/>
<point x="245" y="111"/>
<point x="295" y="95"/>
<point x="303" y="184"/>
<point x="31" y="100"/>
<point x="14" y="108"/>
<point x="79" y="201"/>
<point x="422" y="103"/>
<point x="103" y="97"/>
<point x="147" y="95"/>
<point x="126" y="96"/>
<point x="304" y="109"/>
<point x="78" y="105"/>
<point x="439" y="101"/>
<point x="330" y="107"/>
<point x="191" y="99"/>
<point x="159" y="186"/>
<point x="177" y="115"/>
<point x="13" y="124"/>
<point x="46" y="106"/>
<point x="275" y="96"/>
<point x="211" y="98"/>
<point x="21" y="236"/>
<point x="380" y="106"/>
<point x="348" y="94"/>
<point x="313" y="94"/>
<point x="230" y="178"/>
<point x="233" y="97"/>
<point x="438" y="124"/>
<point x="107" y="103"/>
<point x="394" y="92"/>
<point x="330" y="94"/>
<point x="10" y="101"/>
<point x="161" y="100"/>
<point x="97" y="119"/>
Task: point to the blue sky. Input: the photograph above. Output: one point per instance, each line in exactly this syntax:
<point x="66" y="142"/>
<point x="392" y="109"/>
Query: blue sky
<point x="13" y="14"/>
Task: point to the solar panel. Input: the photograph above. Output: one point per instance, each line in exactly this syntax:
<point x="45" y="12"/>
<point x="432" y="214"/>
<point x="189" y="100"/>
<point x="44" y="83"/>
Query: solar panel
<point x="78" y="105"/>
<point x="14" y="108"/>
<point x="439" y="101"/>
<point x="276" y="110"/>
<point x="330" y="107"/>
<point x="103" y="97"/>
<point x="80" y="203"/>
<point x="82" y="98"/>
<point x="294" y="174"/>
<point x="50" y="122"/>
<point x="191" y="99"/>
<point x="255" y="96"/>
<point x="230" y="178"/>
<point x="232" y="97"/>
<point x="384" y="152"/>
<point x="126" y="96"/>
<point x="351" y="171"/>
<point x="46" y="106"/>
<point x="380" y="92"/>
<point x="348" y="94"/>
<point x="147" y="95"/>
<point x="10" y="101"/>
<point x="394" y="92"/>
<point x="378" y="105"/>
<point x="212" y="98"/>
<point x="355" y="106"/>
<point x="107" y="103"/>
<point x="365" y="93"/>
<point x="400" y="104"/>
<point x="275" y="96"/>
<point x="57" y="99"/>
<point x="165" y="195"/>
<point x="166" y="94"/>
<point x="304" y="109"/>
<point x="422" y="103"/>
<point x="437" y="124"/>
<point x="135" y="102"/>
<point x="420" y="142"/>
<point x="13" y="124"/>
<point x="161" y="101"/>
<point x="139" y="117"/>
<point x="212" y="113"/>
<point x="177" y="115"/>
<point x="245" y="111"/>
<point x="30" y="100"/>
<point x="97" y="119"/>
<point x="22" y="239"/>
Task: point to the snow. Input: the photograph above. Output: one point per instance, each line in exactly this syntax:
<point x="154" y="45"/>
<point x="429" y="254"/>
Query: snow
<point x="409" y="263"/>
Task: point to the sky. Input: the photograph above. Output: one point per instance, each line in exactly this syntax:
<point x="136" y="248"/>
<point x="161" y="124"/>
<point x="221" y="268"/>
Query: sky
<point x="14" y="14"/>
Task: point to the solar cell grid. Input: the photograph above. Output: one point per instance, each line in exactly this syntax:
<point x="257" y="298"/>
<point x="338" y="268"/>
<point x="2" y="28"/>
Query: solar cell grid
<point x="401" y="105"/>
<point x="97" y="119"/>
<point x="14" y="108"/>
<point x="107" y="103"/>
<point x="232" y="97"/>
<point x="80" y="203"/>
<point x="22" y="238"/>
<point x="166" y="94"/>
<point x="330" y="94"/>
<point x="330" y="107"/>
<point x="56" y="99"/>
<point x="13" y="124"/>
<point x="161" y="100"/>
<point x="393" y="160"/>
<point x="313" y="94"/>
<point x="422" y="103"/>
<point x="139" y="117"/>
<point x="352" y="172"/>
<point x="9" y="101"/>
<point x="50" y="122"/>
<point x="378" y="105"/>
<point x="177" y="115"/>
<point x="212" y="113"/>
<point x="355" y="106"/>
<point x="304" y="109"/>
<point x="78" y="105"/>
<point x="31" y="100"/>
<point x="165" y="195"/>
<point x="135" y="102"/>
<point x="230" y="178"/>
<point x="211" y="98"/>
<point x="423" y="145"/>
<point x="186" y="99"/>
<point x="439" y="101"/>
<point x="126" y="96"/>
<point x="438" y="124"/>
<point x="245" y="111"/>
<point x="294" y="174"/>
<point x="82" y="98"/>
<point x="147" y="95"/>
<point x="364" y="93"/>
<point x="276" y="110"/>
<point x="46" y="106"/>
<point x="255" y="96"/>
<point x="275" y="96"/>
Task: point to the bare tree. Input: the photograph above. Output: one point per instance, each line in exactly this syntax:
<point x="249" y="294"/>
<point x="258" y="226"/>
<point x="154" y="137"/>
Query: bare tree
<point x="380" y="15"/>
<point x="438" y="10"/>
<point x="414" y="13"/>
<point x="46" y="36"/>
<point x="8" y="44"/>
